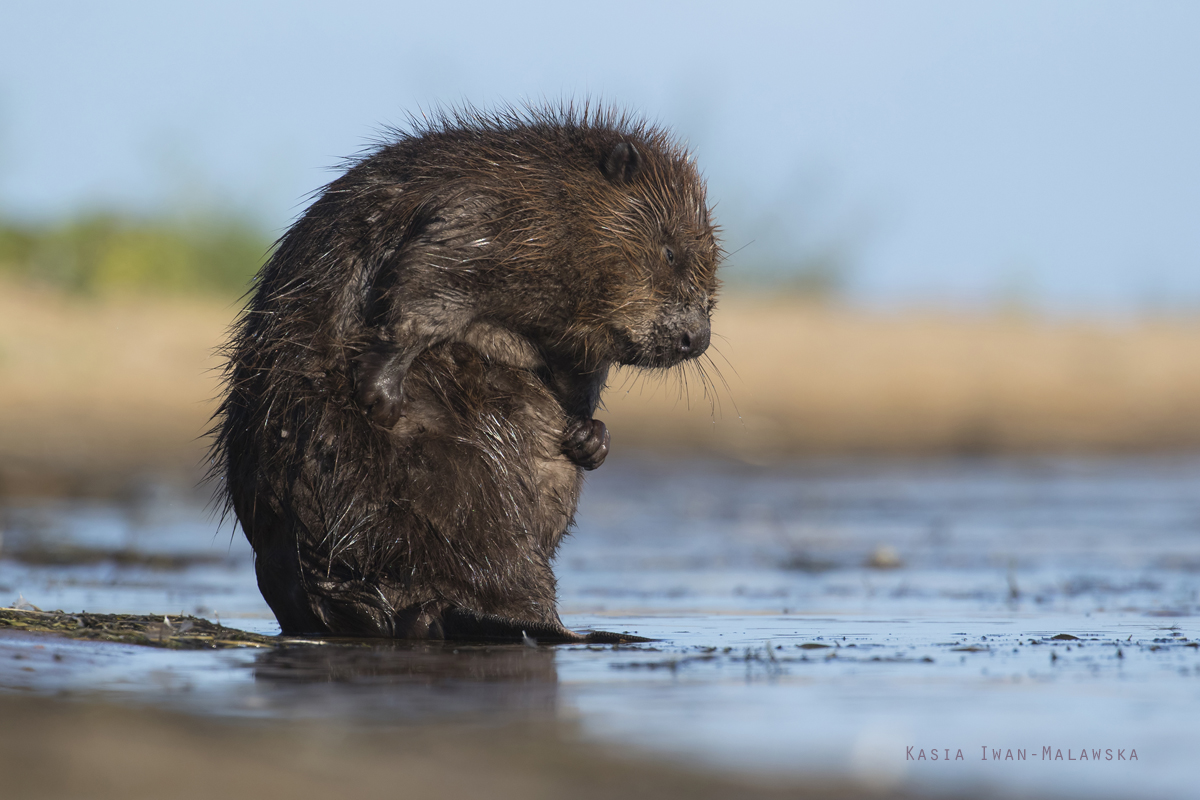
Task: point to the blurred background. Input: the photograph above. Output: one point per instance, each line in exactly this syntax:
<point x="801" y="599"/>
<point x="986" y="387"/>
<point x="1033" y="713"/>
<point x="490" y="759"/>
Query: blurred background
<point x="952" y="227"/>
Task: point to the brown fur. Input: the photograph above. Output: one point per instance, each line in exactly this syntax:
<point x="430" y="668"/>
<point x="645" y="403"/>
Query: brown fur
<point x="411" y="389"/>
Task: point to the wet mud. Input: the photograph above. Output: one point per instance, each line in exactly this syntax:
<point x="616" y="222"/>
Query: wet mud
<point x="182" y="633"/>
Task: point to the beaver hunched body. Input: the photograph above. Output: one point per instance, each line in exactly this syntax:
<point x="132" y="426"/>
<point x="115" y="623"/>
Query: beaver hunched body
<point x="410" y="389"/>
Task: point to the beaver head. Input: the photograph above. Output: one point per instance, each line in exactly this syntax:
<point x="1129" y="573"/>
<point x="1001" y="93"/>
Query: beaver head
<point x="656" y="235"/>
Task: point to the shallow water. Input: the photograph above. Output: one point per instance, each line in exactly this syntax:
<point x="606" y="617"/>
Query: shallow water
<point x="815" y="617"/>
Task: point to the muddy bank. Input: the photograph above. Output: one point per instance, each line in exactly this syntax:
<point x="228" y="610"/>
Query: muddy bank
<point x="182" y="633"/>
<point x="97" y="395"/>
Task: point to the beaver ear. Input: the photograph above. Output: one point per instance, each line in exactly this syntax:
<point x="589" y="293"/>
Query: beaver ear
<point x="622" y="163"/>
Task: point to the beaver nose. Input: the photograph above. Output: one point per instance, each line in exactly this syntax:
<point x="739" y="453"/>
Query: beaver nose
<point x="692" y="341"/>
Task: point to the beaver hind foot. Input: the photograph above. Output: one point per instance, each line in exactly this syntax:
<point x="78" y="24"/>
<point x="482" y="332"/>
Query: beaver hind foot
<point x="363" y="616"/>
<point x="464" y="625"/>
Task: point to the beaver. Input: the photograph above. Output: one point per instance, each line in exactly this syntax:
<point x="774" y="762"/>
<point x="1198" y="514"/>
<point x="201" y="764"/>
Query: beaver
<point x="411" y="388"/>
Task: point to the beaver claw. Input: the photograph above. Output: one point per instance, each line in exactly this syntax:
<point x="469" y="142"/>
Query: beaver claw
<point x="586" y="443"/>
<point x="379" y="386"/>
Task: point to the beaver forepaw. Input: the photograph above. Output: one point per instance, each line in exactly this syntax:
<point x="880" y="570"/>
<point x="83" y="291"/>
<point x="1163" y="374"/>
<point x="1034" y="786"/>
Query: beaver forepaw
<point x="379" y="386"/>
<point x="586" y="443"/>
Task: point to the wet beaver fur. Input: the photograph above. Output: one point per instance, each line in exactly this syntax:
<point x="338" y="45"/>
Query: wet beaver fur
<point x="411" y="388"/>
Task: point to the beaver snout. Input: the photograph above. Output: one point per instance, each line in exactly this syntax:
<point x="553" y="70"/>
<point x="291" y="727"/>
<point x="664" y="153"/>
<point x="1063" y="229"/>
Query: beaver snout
<point x="689" y="330"/>
<point x="693" y="340"/>
<point x="675" y="336"/>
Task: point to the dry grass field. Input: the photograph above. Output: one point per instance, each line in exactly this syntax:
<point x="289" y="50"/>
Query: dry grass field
<point x="827" y="380"/>
<point x="94" y="392"/>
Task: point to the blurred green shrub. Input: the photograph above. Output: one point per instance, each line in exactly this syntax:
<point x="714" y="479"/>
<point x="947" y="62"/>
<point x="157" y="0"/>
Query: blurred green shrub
<point x="105" y="253"/>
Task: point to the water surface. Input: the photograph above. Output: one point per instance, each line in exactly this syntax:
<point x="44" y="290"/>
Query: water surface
<point x="843" y="617"/>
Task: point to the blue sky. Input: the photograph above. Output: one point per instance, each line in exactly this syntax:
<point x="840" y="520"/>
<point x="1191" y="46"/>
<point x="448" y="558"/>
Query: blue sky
<point x="948" y="152"/>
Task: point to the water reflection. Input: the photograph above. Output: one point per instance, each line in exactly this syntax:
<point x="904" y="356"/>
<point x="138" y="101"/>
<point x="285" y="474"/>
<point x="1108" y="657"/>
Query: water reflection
<point x="415" y="679"/>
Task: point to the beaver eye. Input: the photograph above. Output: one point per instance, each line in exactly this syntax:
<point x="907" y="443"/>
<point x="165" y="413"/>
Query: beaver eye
<point x="669" y="254"/>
